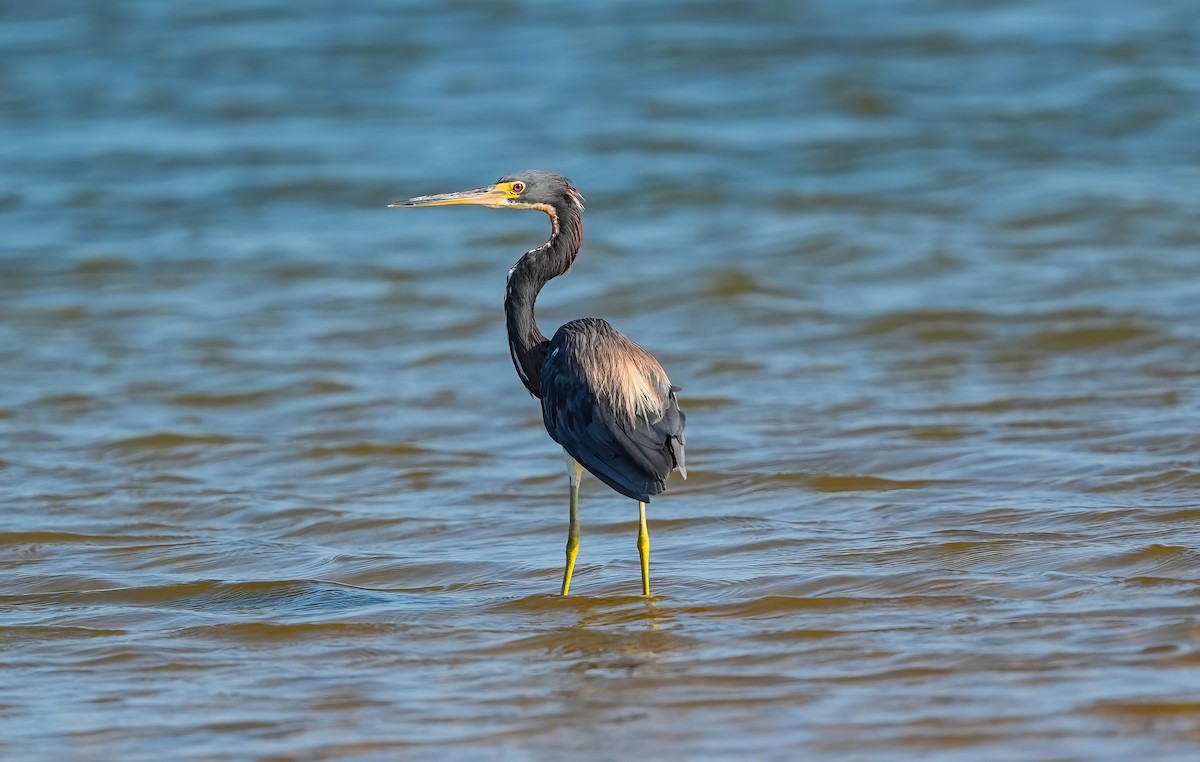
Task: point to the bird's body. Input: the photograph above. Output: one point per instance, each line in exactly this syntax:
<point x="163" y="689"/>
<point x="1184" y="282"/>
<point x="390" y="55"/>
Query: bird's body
<point x="610" y="405"/>
<point x="606" y="400"/>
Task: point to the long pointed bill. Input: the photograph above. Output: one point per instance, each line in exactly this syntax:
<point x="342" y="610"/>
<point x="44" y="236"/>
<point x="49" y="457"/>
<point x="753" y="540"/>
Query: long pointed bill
<point x="492" y="195"/>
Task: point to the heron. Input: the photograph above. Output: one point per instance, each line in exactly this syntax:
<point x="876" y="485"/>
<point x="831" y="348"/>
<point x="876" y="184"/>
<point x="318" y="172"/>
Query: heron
<point x="605" y="399"/>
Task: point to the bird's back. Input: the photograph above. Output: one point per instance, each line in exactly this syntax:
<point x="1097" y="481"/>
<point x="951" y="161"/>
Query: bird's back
<point x="609" y="403"/>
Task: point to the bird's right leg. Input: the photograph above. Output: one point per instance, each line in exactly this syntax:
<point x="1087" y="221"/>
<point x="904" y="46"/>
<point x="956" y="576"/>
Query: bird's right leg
<point x="643" y="546"/>
<point x="575" y="474"/>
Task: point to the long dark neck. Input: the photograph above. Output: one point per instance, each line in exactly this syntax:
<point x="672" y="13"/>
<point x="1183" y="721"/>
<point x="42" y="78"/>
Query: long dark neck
<point x="525" y="281"/>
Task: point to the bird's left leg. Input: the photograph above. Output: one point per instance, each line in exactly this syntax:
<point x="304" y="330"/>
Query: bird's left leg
<point x="575" y="474"/>
<point x="643" y="545"/>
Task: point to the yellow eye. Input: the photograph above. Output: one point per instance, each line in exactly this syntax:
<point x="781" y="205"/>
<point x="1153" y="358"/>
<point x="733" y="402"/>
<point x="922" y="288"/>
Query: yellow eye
<point x="517" y="187"/>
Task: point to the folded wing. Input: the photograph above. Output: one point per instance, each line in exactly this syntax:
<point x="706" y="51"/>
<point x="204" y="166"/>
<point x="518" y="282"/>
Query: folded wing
<point x="609" y="403"/>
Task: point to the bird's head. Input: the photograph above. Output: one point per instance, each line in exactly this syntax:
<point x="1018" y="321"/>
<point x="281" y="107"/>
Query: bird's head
<point x="530" y="189"/>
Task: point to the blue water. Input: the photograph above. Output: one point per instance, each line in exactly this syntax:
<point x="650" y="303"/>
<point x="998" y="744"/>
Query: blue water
<point x="926" y="271"/>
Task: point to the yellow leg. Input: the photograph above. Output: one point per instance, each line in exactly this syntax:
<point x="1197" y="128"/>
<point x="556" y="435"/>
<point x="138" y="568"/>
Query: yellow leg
<point x="643" y="545"/>
<point x="575" y="473"/>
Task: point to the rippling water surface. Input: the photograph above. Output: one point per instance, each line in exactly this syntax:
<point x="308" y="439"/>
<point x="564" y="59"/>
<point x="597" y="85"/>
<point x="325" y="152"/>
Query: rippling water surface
<point x="928" y="273"/>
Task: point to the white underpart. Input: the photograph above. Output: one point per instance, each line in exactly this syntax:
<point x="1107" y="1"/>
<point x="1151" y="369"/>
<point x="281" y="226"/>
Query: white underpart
<point x="574" y="470"/>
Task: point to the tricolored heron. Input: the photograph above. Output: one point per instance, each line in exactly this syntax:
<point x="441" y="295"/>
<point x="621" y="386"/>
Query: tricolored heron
<point x="606" y="400"/>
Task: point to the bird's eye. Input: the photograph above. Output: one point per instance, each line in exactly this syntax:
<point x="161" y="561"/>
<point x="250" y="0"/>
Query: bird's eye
<point x="518" y="187"/>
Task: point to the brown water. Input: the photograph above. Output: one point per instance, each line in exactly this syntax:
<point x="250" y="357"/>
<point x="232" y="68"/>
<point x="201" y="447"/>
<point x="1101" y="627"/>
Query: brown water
<point x="928" y="274"/>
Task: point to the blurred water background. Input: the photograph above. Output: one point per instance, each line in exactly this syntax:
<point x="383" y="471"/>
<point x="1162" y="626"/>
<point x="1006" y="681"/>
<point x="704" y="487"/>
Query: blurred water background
<point x="928" y="273"/>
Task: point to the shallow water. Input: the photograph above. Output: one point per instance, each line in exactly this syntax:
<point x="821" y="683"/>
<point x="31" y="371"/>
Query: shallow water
<point x="927" y="273"/>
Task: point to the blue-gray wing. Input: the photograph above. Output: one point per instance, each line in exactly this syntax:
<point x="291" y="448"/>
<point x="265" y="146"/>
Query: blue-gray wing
<point x="609" y="404"/>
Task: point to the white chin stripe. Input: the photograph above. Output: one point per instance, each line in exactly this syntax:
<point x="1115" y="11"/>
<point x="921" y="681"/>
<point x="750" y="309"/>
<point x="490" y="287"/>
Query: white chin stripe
<point x="512" y="351"/>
